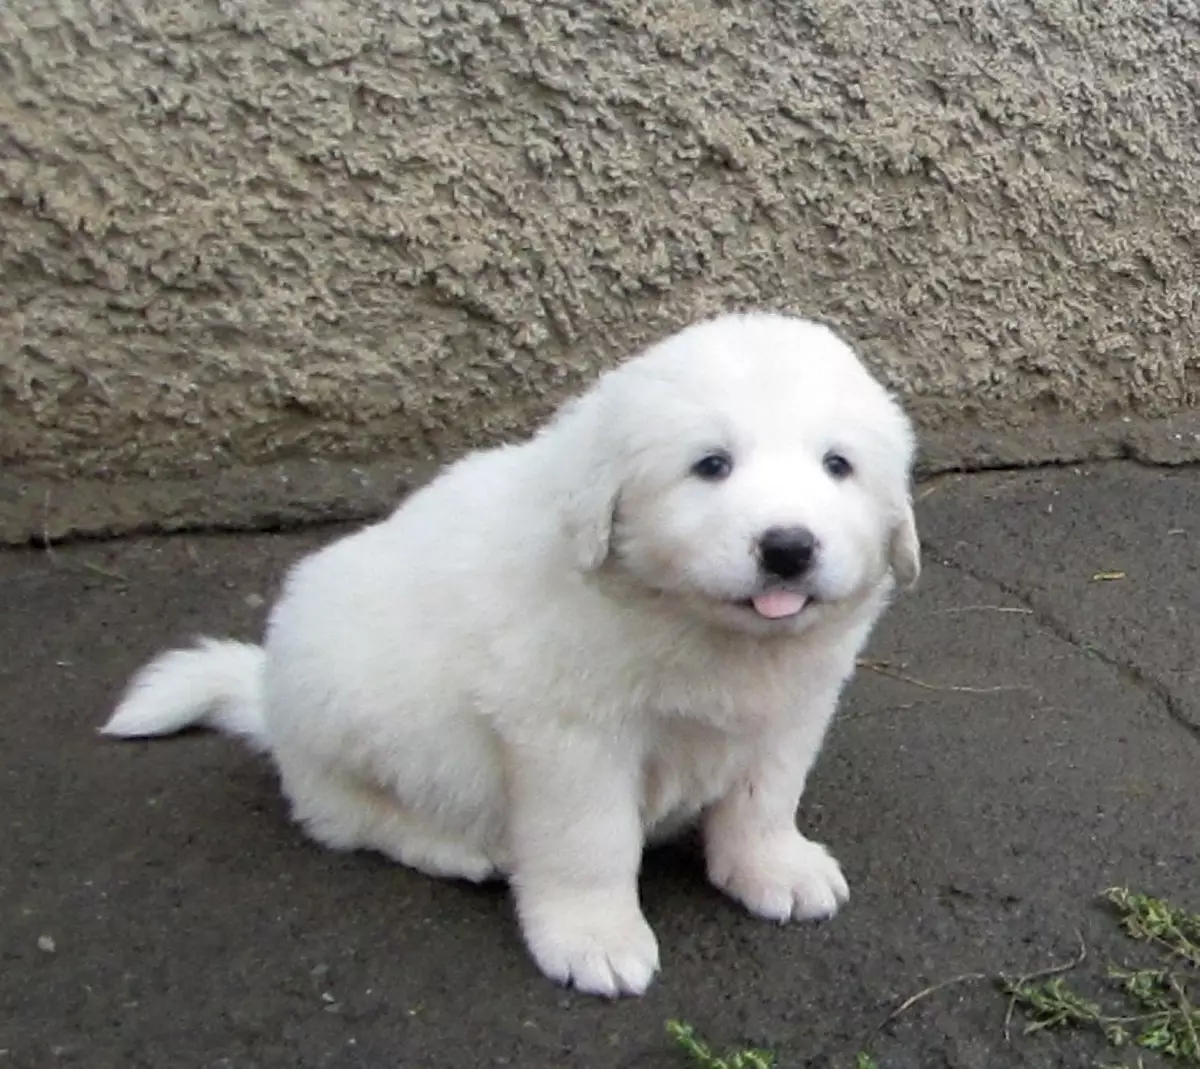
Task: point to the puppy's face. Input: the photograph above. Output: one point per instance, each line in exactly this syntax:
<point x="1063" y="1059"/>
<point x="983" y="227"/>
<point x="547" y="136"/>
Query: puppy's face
<point x="761" y="475"/>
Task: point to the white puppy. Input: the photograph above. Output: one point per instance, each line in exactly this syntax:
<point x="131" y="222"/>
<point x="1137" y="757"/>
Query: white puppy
<point x="641" y="617"/>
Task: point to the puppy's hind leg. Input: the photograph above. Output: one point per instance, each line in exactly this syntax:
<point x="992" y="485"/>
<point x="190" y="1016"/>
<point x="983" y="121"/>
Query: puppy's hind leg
<point x="344" y="813"/>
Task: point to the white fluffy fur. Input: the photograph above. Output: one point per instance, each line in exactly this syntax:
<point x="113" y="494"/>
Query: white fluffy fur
<point x="546" y="656"/>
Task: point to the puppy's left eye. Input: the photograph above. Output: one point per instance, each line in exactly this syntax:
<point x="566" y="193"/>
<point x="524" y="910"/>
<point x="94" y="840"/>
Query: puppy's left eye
<point x="837" y="465"/>
<point x="714" y="467"/>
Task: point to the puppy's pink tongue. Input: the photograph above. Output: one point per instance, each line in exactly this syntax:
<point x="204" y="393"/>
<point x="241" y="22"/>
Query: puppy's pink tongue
<point x="778" y="604"/>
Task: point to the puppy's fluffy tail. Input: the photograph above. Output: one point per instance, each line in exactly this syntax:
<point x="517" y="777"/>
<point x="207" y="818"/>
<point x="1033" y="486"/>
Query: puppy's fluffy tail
<point x="217" y="684"/>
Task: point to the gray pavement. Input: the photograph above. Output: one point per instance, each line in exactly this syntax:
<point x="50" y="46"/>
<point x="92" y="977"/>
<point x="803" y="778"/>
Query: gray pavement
<point x="1025" y="736"/>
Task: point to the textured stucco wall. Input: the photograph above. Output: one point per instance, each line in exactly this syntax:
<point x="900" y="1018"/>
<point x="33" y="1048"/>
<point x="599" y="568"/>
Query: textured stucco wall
<point x="248" y="229"/>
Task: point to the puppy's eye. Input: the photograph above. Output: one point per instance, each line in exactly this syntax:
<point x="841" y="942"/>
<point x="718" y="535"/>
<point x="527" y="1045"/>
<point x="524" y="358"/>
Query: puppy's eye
<point x="837" y="466"/>
<point x="714" y="467"/>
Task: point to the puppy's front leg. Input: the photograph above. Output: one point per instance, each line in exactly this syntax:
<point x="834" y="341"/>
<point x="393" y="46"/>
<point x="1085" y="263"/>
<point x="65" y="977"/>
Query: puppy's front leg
<point x="576" y="840"/>
<point x="754" y="851"/>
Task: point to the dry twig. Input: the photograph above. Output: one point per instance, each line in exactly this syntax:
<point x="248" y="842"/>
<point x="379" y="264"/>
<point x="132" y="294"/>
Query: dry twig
<point x="885" y="668"/>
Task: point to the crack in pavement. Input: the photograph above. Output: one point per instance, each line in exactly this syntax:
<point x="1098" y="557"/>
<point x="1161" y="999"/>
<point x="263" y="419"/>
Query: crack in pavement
<point x="1128" y="670"/>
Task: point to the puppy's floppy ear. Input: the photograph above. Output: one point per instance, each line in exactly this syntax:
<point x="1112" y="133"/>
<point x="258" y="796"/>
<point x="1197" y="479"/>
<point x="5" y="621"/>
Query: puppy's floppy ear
<point x="588" y="462"/>
<point x="589" y="511"/>
<point x="904" y="548"/>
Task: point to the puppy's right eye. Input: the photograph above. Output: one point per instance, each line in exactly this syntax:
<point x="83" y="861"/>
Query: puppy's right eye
<point x="837" y="466"/>
<point x="714" y="467"/>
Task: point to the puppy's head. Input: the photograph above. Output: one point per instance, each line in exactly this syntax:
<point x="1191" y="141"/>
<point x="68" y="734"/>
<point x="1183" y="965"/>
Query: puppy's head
<point x="748" y="467"/>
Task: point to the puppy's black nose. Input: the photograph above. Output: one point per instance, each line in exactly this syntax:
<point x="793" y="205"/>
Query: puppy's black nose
<point x="787" y="552"/>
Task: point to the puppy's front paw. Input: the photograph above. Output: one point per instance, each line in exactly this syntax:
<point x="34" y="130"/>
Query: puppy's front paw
<point x="781" y="877"/>
<point x="600" y="944"/>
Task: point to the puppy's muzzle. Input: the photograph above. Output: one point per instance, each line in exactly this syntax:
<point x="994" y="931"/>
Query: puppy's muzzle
<point x="787" y="552"/>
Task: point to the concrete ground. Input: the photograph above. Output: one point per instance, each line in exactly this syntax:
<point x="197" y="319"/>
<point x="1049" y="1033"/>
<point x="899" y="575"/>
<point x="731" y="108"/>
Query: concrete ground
<point x="1024" y="735"/>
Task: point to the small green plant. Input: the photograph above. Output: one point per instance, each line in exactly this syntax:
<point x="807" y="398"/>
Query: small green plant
<point x="1164" y="1019"/>
<point x="1051" y="1004"/>
<point x="1154" y="921"/>
<point x="701" y="1055"/>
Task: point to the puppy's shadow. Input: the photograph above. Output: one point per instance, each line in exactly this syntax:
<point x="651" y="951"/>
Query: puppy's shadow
<point x="674" y="879"/>
<point x="673" y="875"/>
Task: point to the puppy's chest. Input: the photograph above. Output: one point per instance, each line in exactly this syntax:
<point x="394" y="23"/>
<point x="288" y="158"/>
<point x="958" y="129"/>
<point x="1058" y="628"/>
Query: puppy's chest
<point x="704" y="730"/>
<point x="688" y="765"/>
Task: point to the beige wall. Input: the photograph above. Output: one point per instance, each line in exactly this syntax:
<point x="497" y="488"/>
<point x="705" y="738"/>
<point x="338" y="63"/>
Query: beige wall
<point x="254" y="229"/>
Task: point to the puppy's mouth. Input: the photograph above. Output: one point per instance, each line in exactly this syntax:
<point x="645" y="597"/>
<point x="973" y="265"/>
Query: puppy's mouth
<point x="778" y="604"/>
